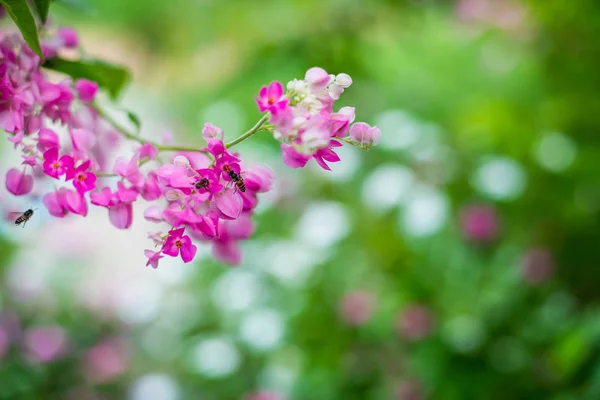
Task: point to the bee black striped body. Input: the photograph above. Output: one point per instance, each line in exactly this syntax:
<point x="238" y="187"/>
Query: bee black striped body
<point x="239" y="181"/>
<point x="26" y="216"/>
<point x="202" y="183"/>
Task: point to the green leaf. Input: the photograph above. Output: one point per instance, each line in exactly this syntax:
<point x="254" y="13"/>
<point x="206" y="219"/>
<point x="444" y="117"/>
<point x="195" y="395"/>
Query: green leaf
<point x="135" y="119"/>
<point x="108" y="76"/>
<point x="20" y="13"/>
<point x="42" y="9"/>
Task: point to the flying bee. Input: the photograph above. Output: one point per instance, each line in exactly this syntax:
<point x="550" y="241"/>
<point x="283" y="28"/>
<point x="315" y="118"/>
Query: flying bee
<point x="23" y="218"/>
<point x="239" y="181"/>
<point x="202" y="183"/>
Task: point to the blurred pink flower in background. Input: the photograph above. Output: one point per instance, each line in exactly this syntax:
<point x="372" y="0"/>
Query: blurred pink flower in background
<point x="106" y="360"/>
<point x="357" y="307"/>
<point x="45" y="343"/>
<point x="3" y="343"/>
<point x="479" y="223"/>
<point x="409" y="390"/>
<point x="504" y="14"/>
<point x="265" y="395"/>
<point x="537" y="266"/>
<point x="415" y="322"/>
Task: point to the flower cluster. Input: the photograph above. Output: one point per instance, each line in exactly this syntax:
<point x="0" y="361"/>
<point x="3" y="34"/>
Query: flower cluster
<point x="203" y="194"/>
<point x="304" y="121"/>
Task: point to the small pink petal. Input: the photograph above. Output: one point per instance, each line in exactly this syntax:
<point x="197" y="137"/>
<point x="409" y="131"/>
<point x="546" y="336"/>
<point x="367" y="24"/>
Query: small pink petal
<point x="121" y="215"/>
<point x="153" y="214"/>
<point x="82" y="139"/>
<point x="18" y="182"/>
<point x="229" y="203"/>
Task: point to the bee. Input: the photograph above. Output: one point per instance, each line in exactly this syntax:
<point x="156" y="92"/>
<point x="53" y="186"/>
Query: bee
<point x="23" y="218"/>
<point x="202" y="183"/>
<point x="239" y="181"/>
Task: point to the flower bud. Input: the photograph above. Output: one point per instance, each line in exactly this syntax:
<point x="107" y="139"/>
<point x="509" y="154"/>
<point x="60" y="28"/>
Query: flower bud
<point x="364" y="134"/>
<point x="69" y="37"/>
<point x="86" y="90"/>
<point x="479" y="223"/>
<point x="317" y="79"/>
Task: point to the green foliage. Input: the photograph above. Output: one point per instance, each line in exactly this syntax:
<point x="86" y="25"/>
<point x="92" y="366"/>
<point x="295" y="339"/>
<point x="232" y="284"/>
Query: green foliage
<point x="42" y="7"/>
<point x="108" y="76"/>
<point x="20" y="13"/>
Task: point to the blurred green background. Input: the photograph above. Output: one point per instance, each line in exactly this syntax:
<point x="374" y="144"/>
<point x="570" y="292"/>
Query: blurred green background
<point x="456" y="260"/>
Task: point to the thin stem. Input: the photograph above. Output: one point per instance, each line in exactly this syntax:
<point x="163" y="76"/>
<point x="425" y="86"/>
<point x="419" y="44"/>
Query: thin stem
<point x="105" y="175"/>
<point x="140" y="140"/>
<point x="256" y="128"/>
<point x="353" y="143"/>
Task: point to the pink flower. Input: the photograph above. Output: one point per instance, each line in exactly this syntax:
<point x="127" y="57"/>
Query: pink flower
<point x="228" y="203"/>
<point x="537" y="266"/>
<point x="479" y="223"/>
<point x="147" y="151"/>
<point x="18" y="182"/>
<point x="364" y="134"/>
<point x="82" y="139"/>
<point x="129" y="170"/>
<point x="82" y="181"/>
<point x="212" y="132"/>
<point x="86" y="90"/>
<point x="46" y="343"/>
<point x="416" y="322"/>
<point x="209" y="181"/>
<point x="356" y="307"/>
<point x="317" y="78"/>
<point x="54" y="166"/>
<point x="153" y="214"/>
<point x="177" y="244"/>
<point x="271" y="98"/>
<point x="106" y="360"/>
<point x="150" y="190"/>
<point x="69" y="37"/>
<point x="30" y="160"/>
<point x="102" y="198"/>
<point x="340" y="122"/>
<point x="327" y="154"/>
<point x="75" y="202"/>
<point x="153" y="258"/>
<point x="121" y="215"/>
<point x="55" y="203"/>
<point x="227" y="251"/>
<point x="47" y="139"/>
<point x="292" y="158"/>
<point x="259" y="179"/>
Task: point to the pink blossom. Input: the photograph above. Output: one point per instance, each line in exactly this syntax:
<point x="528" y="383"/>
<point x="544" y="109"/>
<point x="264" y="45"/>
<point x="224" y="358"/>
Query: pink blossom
<point x="82" y="139"/>
<point x="537" y="266"/>
<point x="30" y="160"/>
<point x="4" y="344"/>
<point x="317" y="78"/>
<point x="357" y="307"/>
<point x="177" y="244"/>
<point x="227" y="251"/>
<point x="150" y="189"/>
<point x="211" y="183"/>
<point x="121" y="215"/>
<point x="212" y="132"/>
<point x="364" y="134"/>
<point x="106" y="360"/>
<point x="55" y="203"/>
<point x="45" y="344"/>
<point x="86" y="90"/>
<point x="54" y="166"/>
<point x="83" y="180"/>
<point x="259" y="179"/>
<point x="18" y="182"/>
<point x="340" y="121"/>
<point x="153" y="214"/>
<point x="102" y="198"/>
<point x="75" y="202"/>
<point x="479" y="223"/>
<point x="228" y="203"/>
<point x="146" y="151"/>
<point x="156" y="237"/>
<point x="327" y="154"/>
<point x="292" y="158"/>
<point x="271" y="98"/>
<point x="47" y="139"/>
<point x="129" y="170"/>
<point x="416" y="322"/>
<point x="69" y="37"/>
<point x="153" y="257"/>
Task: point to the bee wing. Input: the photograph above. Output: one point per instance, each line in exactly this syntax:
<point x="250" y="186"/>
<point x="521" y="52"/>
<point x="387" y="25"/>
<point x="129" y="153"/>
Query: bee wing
<point x="15" y="214"/>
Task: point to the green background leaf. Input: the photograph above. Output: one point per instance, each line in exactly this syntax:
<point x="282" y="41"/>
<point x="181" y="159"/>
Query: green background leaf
<point x="111" y="77"/>
<point x="20" y="13"/>
<point x="42" y="9"/>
